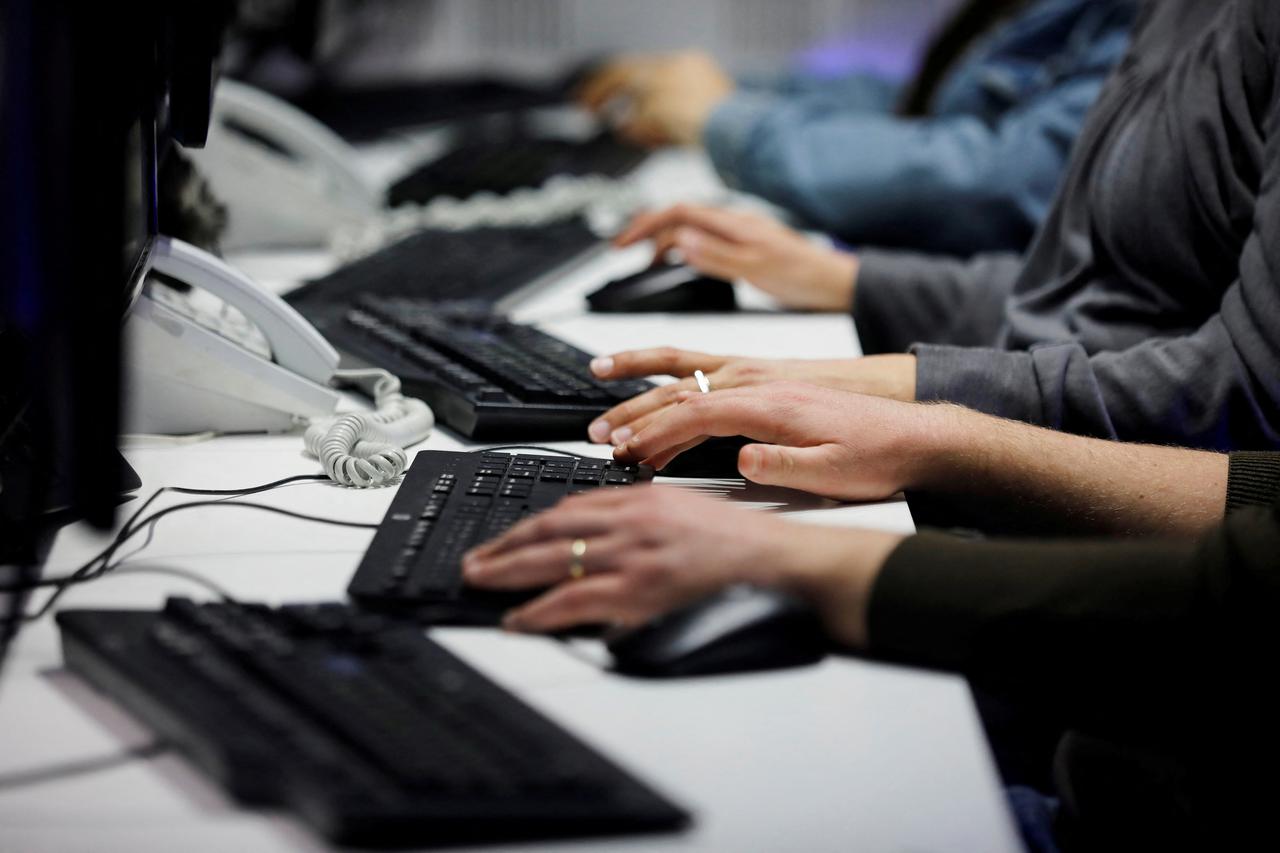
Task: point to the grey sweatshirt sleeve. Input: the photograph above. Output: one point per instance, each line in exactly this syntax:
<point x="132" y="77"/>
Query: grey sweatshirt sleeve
<point x="903" y="298"/>
<point x="1217" y="387"/>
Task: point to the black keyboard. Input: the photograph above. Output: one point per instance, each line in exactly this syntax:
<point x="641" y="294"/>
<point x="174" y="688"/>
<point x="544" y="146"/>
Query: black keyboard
<point x="450" y="502"/>
<point x="483" y="376"/>
<point x="367" y="729"/>
<point x="370" y="111"/>
<point x="501" y="166"/>
<point x="480" y="264"/>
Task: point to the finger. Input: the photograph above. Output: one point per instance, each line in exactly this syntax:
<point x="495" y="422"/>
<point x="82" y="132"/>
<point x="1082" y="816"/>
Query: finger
<point x="622" y="434"/>
<point x="641" y="227"/>
<point x="572" y="517"/>
<point x="599" y="599"/>
<point x="663" y="243"/>
<point x="709" y="254"/>
<point x="659" y="361"/>
<point x="720" y="413"/>
<point x="726" y="224"/>
<point x="614" y="426"/>
<point x="606" y="84"/>
<point x="644" y="129"/>
<point x="808" y="469"/>
<point x="545" y="563"/>
<point x="662" y="460"/>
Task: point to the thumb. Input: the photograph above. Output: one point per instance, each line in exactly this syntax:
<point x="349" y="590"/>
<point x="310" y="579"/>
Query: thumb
<point x="809" y="469"/>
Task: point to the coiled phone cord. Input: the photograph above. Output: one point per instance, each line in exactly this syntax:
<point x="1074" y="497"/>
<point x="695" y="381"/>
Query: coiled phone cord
<point x="364" y="449"/>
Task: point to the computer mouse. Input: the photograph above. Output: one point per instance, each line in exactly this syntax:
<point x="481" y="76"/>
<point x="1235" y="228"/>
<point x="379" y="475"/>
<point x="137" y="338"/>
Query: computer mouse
<point x="715" y="458"/>
<point x="742" y="629"/>
<point x="664" y="288"/>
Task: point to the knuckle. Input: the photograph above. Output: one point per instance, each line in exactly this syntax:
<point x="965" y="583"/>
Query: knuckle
<point x="540" y="525"/>
<point x="576" y="598"/>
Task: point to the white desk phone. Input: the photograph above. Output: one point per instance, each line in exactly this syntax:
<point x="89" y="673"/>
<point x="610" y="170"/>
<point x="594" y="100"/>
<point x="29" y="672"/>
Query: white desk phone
<point x="287" y="179"/>
<point x="254" y="365"/>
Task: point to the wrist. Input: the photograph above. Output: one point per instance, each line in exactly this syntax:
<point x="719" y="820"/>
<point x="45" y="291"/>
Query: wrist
<point x="839" y="273"/>
<point x="852" y="268"/>
<point x="836" y="571"/>
<point x="892" y="376"/>
<point x="947" y="438"/>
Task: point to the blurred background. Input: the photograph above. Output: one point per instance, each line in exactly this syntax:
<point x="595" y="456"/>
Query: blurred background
<point x="381" y="40"/>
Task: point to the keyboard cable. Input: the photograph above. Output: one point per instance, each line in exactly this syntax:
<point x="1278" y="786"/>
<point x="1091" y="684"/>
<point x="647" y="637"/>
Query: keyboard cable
<point x="102" y="563"/>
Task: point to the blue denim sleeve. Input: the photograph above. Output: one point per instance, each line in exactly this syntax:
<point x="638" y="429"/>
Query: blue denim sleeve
<point x="952" y="185"/>
<point x="860" y="92"/>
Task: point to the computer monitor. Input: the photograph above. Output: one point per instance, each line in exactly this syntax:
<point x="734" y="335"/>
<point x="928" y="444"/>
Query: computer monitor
<point x="84" y="103"/>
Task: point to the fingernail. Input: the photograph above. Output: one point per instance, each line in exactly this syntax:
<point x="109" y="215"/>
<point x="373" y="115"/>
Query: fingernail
<point x="620" y="436"/>
<point x="511" y="622"/>
<point x="602" y="366"/>
<point x="599" y="431"/>
<point x="688" y="239"/>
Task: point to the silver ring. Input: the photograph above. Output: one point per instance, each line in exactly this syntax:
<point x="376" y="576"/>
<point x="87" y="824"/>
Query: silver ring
<point x="704" y="384"/>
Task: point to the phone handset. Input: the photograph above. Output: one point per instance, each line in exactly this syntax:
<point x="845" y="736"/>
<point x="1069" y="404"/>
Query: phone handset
<point x="286" y="179"/>
<point x="248" y="110"/>
<point x="295" y="344"/>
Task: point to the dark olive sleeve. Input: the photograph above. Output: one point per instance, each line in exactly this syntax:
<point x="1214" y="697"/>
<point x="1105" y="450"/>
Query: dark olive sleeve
<point x="1112" y="635"/>
<point x="1253" y="479"/>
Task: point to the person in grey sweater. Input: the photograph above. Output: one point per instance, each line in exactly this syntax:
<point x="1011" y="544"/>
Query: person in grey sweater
<point x="1147" y="308"/>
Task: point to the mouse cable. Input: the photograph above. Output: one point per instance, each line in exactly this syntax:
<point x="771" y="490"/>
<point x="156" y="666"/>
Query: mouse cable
<point x="534" y="447"/>
<point x="81" y="766"/>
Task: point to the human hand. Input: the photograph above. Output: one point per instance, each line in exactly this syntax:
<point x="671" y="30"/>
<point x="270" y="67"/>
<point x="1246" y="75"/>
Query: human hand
<point x="668" y="98"/>
<point x="832" y="443"/>
<point x="891" y="376"/>
<point x="733" y="244"/>
<point x="650" y="549"/>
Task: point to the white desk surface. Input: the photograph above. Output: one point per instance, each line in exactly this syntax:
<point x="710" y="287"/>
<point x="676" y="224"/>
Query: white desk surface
<point x="845" y="755"/>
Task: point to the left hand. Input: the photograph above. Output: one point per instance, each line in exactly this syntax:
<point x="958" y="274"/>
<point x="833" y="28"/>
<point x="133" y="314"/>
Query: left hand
<point x="669" y="98"/>
<point x="733" y="244"/>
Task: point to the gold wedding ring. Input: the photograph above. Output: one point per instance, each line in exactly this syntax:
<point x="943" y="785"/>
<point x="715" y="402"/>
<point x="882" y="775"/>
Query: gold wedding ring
<point x="577" y="551"/>
<point x="704" y="384"/>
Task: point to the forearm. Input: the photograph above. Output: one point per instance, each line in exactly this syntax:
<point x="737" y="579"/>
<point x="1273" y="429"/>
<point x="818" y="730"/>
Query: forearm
<point x="905" y="298"/>
<point x="1084" y="484"/>
<point x="1097" y="633"/>
<point x="1110" y="636"/>
<point x="834" y="569"/>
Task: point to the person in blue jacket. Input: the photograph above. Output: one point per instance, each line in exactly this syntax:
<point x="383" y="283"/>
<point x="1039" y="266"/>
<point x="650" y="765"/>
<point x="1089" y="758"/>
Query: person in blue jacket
<point x="966" y="157"/>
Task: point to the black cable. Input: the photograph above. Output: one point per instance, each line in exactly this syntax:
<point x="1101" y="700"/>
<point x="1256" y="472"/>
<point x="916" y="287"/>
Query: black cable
<point x="79" y="767"/>
<point x="121" y="569"/>
<point x="86" y="573"/>
<point x="537" y="448"/>
<point x="101" y="563"/>
<point x="186" y="490"/>
<point x="132" y="525"/>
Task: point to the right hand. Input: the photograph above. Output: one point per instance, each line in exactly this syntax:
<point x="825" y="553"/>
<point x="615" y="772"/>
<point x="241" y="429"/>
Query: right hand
<point x="667" y="98"/>
<point x="836" y="444"/>
<point x="653" y="549"/>
<point x="734" y="244"/>
<point x="618" y="424"/>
